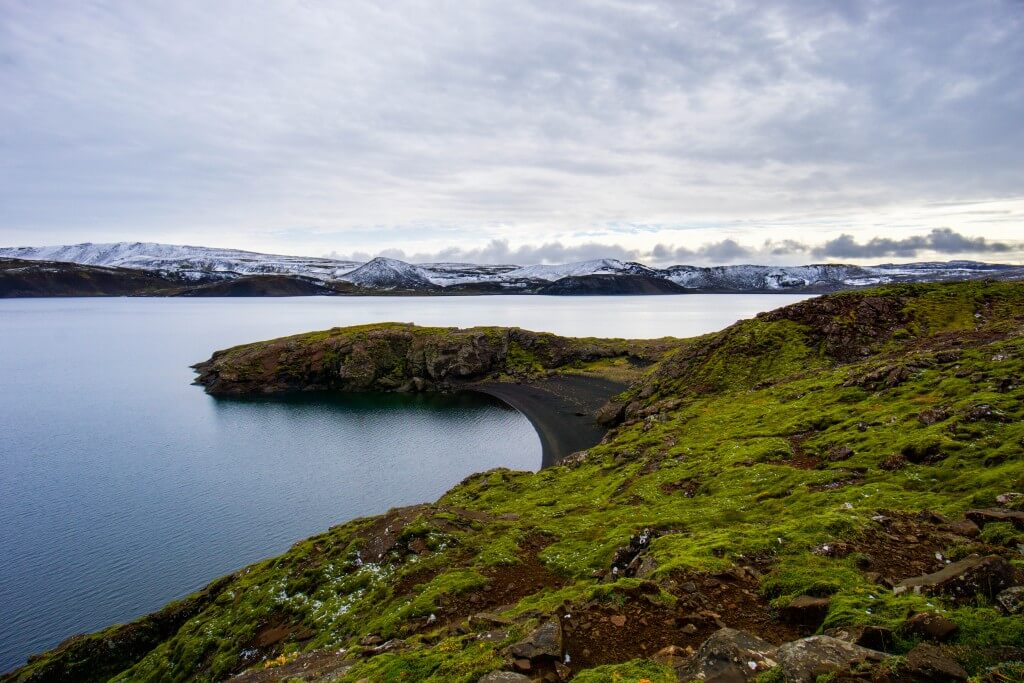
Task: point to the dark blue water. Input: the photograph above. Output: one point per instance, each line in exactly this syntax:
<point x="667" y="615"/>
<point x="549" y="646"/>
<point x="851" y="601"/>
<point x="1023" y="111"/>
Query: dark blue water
<point x="122" y="486"/>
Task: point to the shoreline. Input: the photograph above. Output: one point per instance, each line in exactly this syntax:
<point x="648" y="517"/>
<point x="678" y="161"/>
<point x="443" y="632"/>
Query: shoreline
<point x="561" y="409"/>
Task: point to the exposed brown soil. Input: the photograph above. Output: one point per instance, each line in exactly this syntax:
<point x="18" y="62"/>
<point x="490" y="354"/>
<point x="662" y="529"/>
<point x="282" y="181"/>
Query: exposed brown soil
<point x="317" y="665"/>
<point x="801" y="459"/>
<point x="507" y="584"/>
<point x="634" y="624"/>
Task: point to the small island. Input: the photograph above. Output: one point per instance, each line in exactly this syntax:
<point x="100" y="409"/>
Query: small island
<point x="834" y="488"/>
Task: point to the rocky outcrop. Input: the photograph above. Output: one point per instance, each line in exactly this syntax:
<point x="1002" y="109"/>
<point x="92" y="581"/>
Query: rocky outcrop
<point x="729" y="656"/>
<point x="804" y="660"/>
<point x="963" y="581"/>
<point x="400" y="357"/>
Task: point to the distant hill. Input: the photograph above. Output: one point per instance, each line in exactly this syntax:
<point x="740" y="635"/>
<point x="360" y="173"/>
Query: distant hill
<point x="392" y="276"/>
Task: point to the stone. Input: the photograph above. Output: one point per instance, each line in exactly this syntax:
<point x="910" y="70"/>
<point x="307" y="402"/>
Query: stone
<point x="1010" y="499"/>
<point x="929" y="663"/>
<point x="803" y="660"/>
<point x="617" y="620"/>
<point x="1011" y="600"/>
<point x="929" y="625"/>
<point x="983" y="517"/>
<point x="672" y="655"/>
<point x="806" y="610"/>
<point x="503" y="677"/>
<point x="542" y="646"/>
<point x="872" y="637"/>
<point x="964" y="527"/>
<point x="963" y="580"/>
<point x="729" y="656"/>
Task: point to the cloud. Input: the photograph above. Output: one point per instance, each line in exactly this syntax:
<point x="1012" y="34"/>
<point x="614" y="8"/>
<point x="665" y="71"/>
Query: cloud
<point x="944" y="242"/>
<point x="158" y="120"/>
<point x="939" y="241"/>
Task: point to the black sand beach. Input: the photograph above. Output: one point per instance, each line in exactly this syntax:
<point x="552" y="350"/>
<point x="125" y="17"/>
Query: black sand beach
<point x="560" y="408"/>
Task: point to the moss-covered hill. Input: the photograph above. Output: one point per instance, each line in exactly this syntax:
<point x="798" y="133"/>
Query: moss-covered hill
<point x="781" y="477"/>
<point x="405" y="357"/>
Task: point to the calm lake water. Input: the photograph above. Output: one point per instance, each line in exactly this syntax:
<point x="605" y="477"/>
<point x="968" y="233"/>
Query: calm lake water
<point x="122" y="486"/>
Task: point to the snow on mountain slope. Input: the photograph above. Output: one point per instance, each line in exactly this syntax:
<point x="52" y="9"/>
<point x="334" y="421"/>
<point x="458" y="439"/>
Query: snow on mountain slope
<point x="386" y="273"/>
<point x="761" y="278"/>
<point x="445" y="274"/>
<point x="605" y="266"/>
<point x="186" y="261"/>
<point x="209" y="264"/>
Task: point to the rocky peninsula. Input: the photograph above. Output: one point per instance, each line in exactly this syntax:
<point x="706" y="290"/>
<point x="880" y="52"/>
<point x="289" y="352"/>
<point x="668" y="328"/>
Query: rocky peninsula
<point x="830" y="491"/>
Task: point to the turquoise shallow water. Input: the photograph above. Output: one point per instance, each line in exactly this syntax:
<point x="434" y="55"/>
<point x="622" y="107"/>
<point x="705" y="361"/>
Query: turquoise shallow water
<point x="122" y="486"/>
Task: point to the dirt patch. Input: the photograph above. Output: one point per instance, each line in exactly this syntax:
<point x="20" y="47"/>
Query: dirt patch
<point x="635" y="623"/>
<point x="800" y="458"/>
<point x="381" y="537"/>
<point x="506" y="586"/>
<point x="902" y="545"/>
<point x="685" y="487"/>
<point x="312" y="666"/>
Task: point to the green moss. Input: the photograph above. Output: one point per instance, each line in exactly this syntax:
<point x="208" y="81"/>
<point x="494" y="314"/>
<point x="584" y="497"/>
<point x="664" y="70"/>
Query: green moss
<point x="629" y="672"/>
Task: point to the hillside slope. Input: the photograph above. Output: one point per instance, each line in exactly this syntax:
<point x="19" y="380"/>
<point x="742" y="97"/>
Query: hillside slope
<point x="789" y="475"/>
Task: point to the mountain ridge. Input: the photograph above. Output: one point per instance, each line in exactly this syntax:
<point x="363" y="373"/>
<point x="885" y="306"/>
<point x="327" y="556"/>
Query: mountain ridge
<point x="392" y="276"/>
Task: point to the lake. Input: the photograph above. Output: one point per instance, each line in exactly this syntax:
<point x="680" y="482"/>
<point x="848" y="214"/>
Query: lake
<point x="123" y="487"/>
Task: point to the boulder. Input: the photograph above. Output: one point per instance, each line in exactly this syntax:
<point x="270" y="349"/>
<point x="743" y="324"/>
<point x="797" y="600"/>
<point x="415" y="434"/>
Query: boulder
<point x="806" y="610"/>
<point x="542" y="648"/>
<point x="964" y="527"/>
<point x="1011" y="600"/>
<point x="929" y="625"/>
<point x="872" y="637"/>
<point x="963" y="580"/>
<point x="983" y="517"/>
<point x="1010" y="499"/>
<point x="929" y="663"/>
<point x="503" y="677"/>
<point x="672" y="656"/>
<point x="729" y="656"/>
<point x="804" y="660"/>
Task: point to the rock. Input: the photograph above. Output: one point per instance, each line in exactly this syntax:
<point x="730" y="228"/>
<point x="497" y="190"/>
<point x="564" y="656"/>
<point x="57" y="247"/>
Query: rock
<point x="672" y="655"/>
<point x="929" y="625"/>
<point x="933" y="415"/>
<point x="486" y="619"/>
<point x="872" y="637"/>
<point x="840" y="453"/>
<point x="617" y="620"/>
<point x="963" y="580"/>
<point x="984" y="412"/>
<point x="729" y="656"/>
<point x="964" y="527"/>
<point x="610" y="414"/>
<point x="503" y="677"/>
<point x="929" y="663"/>
<point x="806" y="610"/>
<point x="542" y="647"/>
<point x="1010" y="499"/>
<point x="983" y="517"/>
<point x="804" y="660"/>
<point x="1011" y="600"/>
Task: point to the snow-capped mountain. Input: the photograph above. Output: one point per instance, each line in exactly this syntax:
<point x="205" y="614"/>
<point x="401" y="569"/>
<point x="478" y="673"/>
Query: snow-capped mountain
<point x="605" y="266"/>
<point x="204" y="265"/>
<point x="185" y="261"/>
<point x="763" y="278"/>
<point x="388" y="273"/>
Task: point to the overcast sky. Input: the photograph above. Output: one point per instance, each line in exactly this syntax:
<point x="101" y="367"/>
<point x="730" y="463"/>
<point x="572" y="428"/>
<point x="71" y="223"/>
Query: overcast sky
<point x="700" y="132"/>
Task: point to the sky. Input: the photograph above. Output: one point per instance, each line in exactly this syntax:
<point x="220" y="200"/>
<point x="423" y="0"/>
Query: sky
<point x="705" y="132"/>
